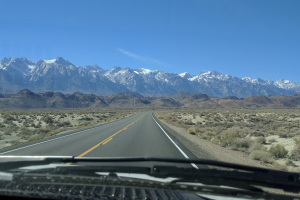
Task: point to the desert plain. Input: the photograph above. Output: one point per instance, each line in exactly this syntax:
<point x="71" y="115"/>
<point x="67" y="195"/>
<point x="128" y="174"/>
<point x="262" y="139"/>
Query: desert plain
<point x="269" y="136"/>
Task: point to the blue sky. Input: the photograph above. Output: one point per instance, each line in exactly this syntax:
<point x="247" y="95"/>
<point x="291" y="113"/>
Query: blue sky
<point x="257" y="38"/>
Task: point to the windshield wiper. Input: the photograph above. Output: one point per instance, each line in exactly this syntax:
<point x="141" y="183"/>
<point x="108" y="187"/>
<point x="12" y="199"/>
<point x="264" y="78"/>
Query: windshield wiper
<point x="286" y="181"/>
<point x="239" y="174"/>
<point x="226" y="174"/>
<point x="13" y="162"/>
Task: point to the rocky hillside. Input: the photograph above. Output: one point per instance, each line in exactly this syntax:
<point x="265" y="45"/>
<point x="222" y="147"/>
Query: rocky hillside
<point x="26" y="99"/>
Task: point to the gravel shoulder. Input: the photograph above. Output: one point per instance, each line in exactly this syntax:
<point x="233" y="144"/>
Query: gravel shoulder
<point x="207" y="150"/>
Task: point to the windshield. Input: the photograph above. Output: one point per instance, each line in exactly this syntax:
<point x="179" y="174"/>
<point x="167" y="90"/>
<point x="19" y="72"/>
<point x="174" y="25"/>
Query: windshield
<point x="197" y="79"/>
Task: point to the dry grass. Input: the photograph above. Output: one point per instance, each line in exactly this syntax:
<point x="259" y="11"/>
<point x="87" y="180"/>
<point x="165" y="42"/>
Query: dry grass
<point x="268" y="135"/>
<point x="20" y="126"/>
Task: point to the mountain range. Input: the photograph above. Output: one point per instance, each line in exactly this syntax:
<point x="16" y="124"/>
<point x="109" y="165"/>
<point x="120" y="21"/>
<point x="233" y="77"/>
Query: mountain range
<point x="59" y="75"/>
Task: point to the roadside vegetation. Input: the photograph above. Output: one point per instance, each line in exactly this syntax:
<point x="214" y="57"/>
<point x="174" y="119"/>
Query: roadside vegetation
<point x="271" y="136"/>
<point x="20" y="126"/>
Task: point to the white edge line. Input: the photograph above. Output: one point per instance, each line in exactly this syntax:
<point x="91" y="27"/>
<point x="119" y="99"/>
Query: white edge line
<point x="181" y="151"/>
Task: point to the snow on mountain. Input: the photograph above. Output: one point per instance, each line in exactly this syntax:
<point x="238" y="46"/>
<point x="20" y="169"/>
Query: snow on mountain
<point x="21" y="65"/>
<point x="185" y="75"/>
<point x="286" y="84"/>
<point x="61" y="75"/>
<point x="145" y="81"/>
<point x="283" y="84"/>
<point x="58" y="66"/>
<point x="59" y="61"/>
<point x="124" y="76"/>
<point x="146" y="71"/>
<point x="54" y="75"/>
<point x="249" y="80"/>
<point x="210" y="75"/>
<point x="50" y="61"/>
<point x="93" y="68"/>
<point x="257" y="81"/>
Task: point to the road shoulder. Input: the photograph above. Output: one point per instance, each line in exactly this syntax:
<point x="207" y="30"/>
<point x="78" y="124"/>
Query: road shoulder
<point x="204" y="149"/>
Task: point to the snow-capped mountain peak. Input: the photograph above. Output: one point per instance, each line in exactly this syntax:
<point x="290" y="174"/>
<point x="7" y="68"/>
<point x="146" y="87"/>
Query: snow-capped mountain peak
<point x="22" y="65"/>
<point x="59" y="61"/>
<point x="257" y="81"/>
<point x="286" y="84"/>
<point x="93" y="68"/>
<point x="185" y="75"/>
<point x="209" y="76"/>
<point x="50" y="61"/>
<point x="16" y="61"/>
<point x="146" y="71"/>
<point x="248" y="79"/>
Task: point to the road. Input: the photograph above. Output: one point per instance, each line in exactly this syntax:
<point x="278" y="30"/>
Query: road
<point x="137" y="135"/>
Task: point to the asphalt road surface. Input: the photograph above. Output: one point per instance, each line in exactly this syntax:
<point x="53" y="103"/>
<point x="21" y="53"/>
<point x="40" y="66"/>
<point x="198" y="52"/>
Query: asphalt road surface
<point x="137" y="135"/>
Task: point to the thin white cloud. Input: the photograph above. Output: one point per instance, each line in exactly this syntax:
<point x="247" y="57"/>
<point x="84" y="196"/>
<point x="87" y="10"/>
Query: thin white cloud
<point x="145" y="59"/>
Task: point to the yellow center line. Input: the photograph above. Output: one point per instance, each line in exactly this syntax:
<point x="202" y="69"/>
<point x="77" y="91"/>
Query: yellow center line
<point x="106" y="140"/>
<point x="109" y="139"/>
